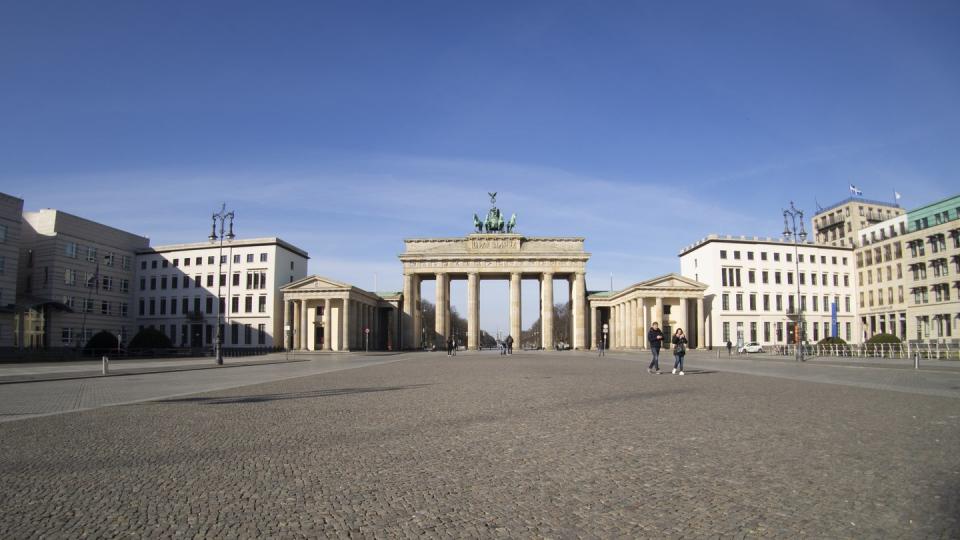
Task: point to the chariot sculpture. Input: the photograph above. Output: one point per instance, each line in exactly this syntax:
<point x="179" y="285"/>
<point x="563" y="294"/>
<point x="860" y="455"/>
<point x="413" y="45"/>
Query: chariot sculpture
<point x="494" y="223"/>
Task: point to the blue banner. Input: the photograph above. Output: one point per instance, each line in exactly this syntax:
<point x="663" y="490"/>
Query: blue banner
<point x="833" y="320"/>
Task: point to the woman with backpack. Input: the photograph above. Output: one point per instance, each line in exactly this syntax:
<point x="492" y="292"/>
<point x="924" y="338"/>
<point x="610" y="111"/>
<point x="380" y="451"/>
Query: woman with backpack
<point x="679" y="350"/>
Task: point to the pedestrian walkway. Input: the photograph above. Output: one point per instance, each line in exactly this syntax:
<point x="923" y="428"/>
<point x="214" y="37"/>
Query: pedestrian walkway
<point x="64" y="393"/>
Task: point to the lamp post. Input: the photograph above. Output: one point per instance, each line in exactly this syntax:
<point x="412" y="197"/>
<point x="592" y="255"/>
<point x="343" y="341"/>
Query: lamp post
<point x="790" y="218"/>
<point x="220" y="218"/>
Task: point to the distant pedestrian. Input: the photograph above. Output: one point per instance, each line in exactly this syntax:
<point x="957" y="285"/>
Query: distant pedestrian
<point x="449" y="346"/>
<point x="679" y="350"/>
<point x="729" y="347"/>
<point x="509" y="344"/>
<point x="503" y="348"/>
<point x="655" y="339"/>
<point x="454" y="340"/>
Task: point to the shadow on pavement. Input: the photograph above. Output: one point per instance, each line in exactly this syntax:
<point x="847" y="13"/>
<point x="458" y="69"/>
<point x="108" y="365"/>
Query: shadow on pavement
<point x="226" y="400"/>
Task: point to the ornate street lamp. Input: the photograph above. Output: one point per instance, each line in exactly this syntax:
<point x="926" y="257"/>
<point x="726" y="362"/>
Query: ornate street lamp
<point x="790" y="218"/>
<point x="220" y="218"/>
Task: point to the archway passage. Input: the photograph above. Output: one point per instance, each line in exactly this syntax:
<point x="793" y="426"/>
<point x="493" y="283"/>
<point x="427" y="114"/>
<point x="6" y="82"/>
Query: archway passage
<point x="509" y="257"/>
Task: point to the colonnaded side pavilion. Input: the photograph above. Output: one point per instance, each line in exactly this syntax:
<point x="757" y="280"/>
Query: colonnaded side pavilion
<point x="325" y="314"/>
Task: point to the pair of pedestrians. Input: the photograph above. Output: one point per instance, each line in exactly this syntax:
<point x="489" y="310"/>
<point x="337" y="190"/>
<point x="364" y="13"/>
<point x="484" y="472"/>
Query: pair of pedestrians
<point x="655" y="339"/>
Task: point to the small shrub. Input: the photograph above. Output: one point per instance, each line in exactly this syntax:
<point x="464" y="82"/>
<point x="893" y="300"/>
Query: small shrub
<point x="101" y="340"/>
<point x="150" y="338"/>
<point x="884" y="338"/>
<point x="833" y="340"/>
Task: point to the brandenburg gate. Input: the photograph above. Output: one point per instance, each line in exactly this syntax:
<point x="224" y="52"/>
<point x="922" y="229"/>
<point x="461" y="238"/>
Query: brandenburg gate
<point x="324" y="314"/>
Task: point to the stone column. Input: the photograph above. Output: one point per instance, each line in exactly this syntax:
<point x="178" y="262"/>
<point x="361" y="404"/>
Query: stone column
<point x="632" y="323"/>
<point x="440" y="315"/>
<point x="327" y="331"/>
<point x="577" y="304"/>
<point x="546" y="307"/>
<point x="286" y="323"/>
<point x="347" y="315"/>
<point x="622" y="324"/>
<point x="682" y="316"/>
<point x="448" y="319"/>
<point x="304" y="326"/>
<point x="646" y="323"/>
<point x="594" y="321"/>
<point x="701" y="317"/>
<point x="516" y="323"/>
<point x="658" y="313"/>
<point x="473" y="311"/>
<point x="614" y="326"/>
<point x="417" y="322"/>
<point x="406" y="320"/>
<point x="295" y="326"/>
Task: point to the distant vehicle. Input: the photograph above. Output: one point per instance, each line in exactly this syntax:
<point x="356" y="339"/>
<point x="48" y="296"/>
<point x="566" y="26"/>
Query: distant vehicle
<point x="752" y="347"/>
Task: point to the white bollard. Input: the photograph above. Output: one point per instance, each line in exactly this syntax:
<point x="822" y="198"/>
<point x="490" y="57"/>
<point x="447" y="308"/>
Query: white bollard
<point x="916" y="360"/>
<point x="106" y="365"/>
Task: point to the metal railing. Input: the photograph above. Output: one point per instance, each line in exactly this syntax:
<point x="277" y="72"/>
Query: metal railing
<point x="928" y="351"/>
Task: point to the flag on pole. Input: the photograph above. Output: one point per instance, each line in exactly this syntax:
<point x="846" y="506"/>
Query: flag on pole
<point x="854" y="190"/>
<point x="896" y="195"/>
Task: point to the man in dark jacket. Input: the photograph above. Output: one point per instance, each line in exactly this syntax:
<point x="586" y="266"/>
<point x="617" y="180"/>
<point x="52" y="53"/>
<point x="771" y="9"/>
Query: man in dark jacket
<point x="655" y="339"/>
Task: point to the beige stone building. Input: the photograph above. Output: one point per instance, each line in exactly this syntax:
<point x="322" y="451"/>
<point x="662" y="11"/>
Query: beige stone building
<point x="178" y="285"/>
<point x="880" y="278"/>
<point x="11" y="210"/>
<point x="840" y="224"/>
<point x="932" y="274"/>
<point x="74" y="280"/>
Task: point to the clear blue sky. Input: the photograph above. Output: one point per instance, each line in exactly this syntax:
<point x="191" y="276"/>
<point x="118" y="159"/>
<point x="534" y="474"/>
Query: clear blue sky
<point x="346" y="126"/>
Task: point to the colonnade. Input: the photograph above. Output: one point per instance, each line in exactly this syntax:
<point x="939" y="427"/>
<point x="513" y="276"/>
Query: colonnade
<point x="628" y="320"/>
<point x="413" y="325"/>
<point x="344" y="320"/>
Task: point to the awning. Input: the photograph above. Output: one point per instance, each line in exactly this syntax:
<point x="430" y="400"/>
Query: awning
<point x="35" y="302"/>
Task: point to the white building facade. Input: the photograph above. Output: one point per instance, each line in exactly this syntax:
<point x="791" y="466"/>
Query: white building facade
<point x="752" y="285"/>
<point x="177" y="288"/>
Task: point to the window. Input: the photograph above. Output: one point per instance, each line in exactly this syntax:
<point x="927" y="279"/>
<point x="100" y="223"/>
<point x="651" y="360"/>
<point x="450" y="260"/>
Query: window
<point x="70" y="277"/>
<point x="763" y="255"/>
<point x="173" y="306"/>
<point x="70" y="250"/>
<point x="776" y="277"/>
<point x="223" y="280"/>
<point x="141" y="307"/>
<point x="235" y="304"/>
<point x="176" y="263"/>
<point x="751" y="276"/>
<point x="163" y="282"/>
<point x="765" y="277"/>
<point x="186" y="281"/>
<point x="209" y="305"/>
<point x="803" y="278"/>
<point x="291" y="266"/>
<point x="124" y="285"/>
<point x="163" y="306"/>
<point x="766" y="302"/>
<point x="726" y="332"/>
<point x="779" y="331"/>
<point x="164" y="263"/>
<point x="789" y="278"/>
<point x="813" y="278"/>
<point x="174" y="282"/>
<point x="248" y="304"/>
<point x="779" y="299"/>
<point x="262" y="304"/>
<point x="766" y="332"/>
<point x="143" y="265"/>
<point x="153" y="306"/>
<point x="223" y="259"/>
<point x="725" y="301"/>
<point x="249" y="257"/>
<point x="753" y="303"/>
<point x="186" y="261"/>
<point x="196" y="304"/>
<point x="739" y="301"/>
<point x="153" y="283"/>
<point x="236" y="279"/>
<point x="813" y="305"/>
<point x="209" y="280"/>
<point x="143" y="284"/>
<point x="800" y="257"/>
<point x="789" y="257"/>
<point x="185" y="305"/>
<point x="261" y="330"/>
<point x="846" y="280"/>
<point x="234" y="333"/>
<point x="749" y="255"/>
<point x="263" y="257"/>
<point x="153" y="264"/>
<point x="199" y="260"/>
<point x="753" y="331"/>
<point x="106" y="282"/>
<point x="247" y="335"/>
<point x="91" y="254"/>
<point x="846" y="304"/>
<point x="776" y="257"/>
<point x="210" y="259"/>
<point x="736" y="255"/>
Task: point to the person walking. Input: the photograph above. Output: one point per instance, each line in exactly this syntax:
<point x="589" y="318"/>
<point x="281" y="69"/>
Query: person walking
<point x="729" y="348"/>
<point x="449" y="346"/>
<point x="655" y="339"/>
<point x="509" y="344"/>
<point x="679" y="350"/>
<point x="453" y="341"/>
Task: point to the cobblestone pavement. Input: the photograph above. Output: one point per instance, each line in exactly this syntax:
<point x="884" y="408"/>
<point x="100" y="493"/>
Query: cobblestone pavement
<point x="534" y="445"/>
